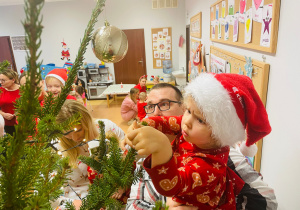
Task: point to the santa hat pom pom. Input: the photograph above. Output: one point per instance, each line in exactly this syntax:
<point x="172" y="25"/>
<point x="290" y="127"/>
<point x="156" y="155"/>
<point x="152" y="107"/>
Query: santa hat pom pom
<point x="248" y="151"/>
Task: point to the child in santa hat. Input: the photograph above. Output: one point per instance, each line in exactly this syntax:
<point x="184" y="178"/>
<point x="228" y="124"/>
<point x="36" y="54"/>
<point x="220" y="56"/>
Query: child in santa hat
<point x="55" y="80"/>
<point x="221" y="110"/>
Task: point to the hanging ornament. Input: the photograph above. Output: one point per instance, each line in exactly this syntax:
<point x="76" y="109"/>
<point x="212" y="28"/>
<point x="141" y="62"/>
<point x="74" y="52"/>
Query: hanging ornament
<point x="109" y="43"/>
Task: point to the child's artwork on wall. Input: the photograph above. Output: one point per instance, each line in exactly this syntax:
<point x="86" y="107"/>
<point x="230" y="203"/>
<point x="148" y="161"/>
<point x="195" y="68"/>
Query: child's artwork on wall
<point x="242" y="11"/>
<point x="223" y="9"/>
<point x="195" y="25"/>
<point x="247" y="33"/>
<point x="161" y="44"/>
<point x="222" y="60"/>
<point x="257" y="6"/>
<point x="248" y="26"/>
<point x="235" y="28"/>
<point x="267" y="26"/>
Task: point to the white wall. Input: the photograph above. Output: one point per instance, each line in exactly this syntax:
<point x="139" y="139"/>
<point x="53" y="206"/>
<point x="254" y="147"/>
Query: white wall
<point x="281" y="149"/>
<point x="67" y="21"/>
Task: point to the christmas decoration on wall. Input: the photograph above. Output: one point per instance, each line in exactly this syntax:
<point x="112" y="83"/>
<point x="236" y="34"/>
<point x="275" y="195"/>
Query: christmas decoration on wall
<point x="65" y="54"/>
<point x="109" y="43"/>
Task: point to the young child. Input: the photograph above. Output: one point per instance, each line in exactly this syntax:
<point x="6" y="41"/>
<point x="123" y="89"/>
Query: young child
<point x="193" y="171"/>
<point x="55" y="80"/>
<point x="140" y="105"/>
<point x="129" y="106"/>
<point x="80" y="94"/>
<point x="142" y="84"/>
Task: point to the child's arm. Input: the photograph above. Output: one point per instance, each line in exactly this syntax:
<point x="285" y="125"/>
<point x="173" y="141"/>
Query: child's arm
<point x="167" y="125"/>
<point x="147" y="140"/>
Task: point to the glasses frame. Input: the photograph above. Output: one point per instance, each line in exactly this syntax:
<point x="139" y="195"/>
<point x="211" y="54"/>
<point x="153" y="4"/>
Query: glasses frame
<point x="169" y="101"/>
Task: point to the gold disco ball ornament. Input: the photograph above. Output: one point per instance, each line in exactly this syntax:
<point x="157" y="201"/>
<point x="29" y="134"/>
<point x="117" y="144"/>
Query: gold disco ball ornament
<point x="109" y="44"/>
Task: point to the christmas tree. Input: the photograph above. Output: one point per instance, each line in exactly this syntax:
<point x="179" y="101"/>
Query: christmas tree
<point x="32" y="174"/>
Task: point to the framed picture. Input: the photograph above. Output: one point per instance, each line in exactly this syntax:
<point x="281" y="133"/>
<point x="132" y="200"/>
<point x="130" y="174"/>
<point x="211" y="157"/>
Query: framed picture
<point x="195" y="25"/>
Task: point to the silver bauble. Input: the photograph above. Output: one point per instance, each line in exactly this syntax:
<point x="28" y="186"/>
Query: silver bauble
<point x="109" y="44"/>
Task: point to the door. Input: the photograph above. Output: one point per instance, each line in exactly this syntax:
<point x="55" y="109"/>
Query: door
<point x="133" y="65"/>
<point x="6" y="52"/>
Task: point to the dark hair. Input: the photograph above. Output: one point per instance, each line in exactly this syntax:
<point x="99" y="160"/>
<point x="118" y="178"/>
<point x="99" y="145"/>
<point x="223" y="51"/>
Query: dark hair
<point x="132" y="92"/>
<point x="79" y="89"/>
<point x="179" y="96"/>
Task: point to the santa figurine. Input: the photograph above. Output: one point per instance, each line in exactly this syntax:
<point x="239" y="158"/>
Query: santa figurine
<point x="65" y="52"/>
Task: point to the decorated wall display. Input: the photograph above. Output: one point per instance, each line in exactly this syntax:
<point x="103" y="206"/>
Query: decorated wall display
<point x="251" y="24"/>
<point x="196" y="63"/>
<point x="224" y="61"/>
<point x="195" y="25"/>
<point x="18" y="42"/>
<point x="161" y="46"/>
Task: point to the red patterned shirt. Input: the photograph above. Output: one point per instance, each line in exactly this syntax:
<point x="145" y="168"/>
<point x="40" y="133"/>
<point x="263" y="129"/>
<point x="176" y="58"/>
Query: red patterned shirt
<point x="194" y="176"/>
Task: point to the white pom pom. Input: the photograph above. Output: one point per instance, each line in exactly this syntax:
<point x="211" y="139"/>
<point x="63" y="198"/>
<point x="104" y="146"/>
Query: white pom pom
<point x="248" y="151"/>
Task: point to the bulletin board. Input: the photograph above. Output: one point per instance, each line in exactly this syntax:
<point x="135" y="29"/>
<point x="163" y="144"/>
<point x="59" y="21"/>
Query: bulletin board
<point x="196" y="25"/>
<point x="161" y="46"/>
<point x="261" y="36"/>
<point x="260" y="78"/>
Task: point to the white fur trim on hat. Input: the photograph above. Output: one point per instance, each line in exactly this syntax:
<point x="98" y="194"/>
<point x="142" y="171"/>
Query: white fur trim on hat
<point x="215" y="103"/>
<point x="249" y="151"/>
<point x="57" y="77"/>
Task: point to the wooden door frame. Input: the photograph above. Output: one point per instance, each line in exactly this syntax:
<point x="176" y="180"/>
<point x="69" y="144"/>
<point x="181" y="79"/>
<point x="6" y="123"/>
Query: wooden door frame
<point x="13" y="62"/>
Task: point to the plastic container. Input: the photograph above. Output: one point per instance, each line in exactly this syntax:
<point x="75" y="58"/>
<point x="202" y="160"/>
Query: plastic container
<point x="167" y="78"/>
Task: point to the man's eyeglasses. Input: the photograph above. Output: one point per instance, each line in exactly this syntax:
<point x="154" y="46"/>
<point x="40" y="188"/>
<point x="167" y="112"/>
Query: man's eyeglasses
<point x="163" y="106"/>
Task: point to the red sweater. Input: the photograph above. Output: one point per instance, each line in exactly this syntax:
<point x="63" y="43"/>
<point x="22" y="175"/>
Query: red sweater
<point x="142" y="89"/>
<point x="141" y="110"/>
<point x="194" y="176"/>
<point x="7" y="99"/>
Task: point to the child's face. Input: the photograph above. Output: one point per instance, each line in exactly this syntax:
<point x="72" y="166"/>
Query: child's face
<point x="194" y="128"/>
<point x="143" y="82"/>
<point x="54" y="86"/>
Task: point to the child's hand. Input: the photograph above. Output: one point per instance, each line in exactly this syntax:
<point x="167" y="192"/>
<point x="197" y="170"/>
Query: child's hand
<point x="132" y="127"/>
<point x="148" y="140"/>
<point x="173" y="205"/>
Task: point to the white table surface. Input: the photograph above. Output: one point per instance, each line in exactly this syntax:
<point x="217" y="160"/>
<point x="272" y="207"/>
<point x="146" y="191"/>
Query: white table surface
<point x="116" y="89"/>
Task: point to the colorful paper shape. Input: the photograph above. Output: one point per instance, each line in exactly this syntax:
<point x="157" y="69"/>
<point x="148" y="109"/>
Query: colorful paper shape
<point x="249" y="67"/>
<point x="242" y="6"/>
<point x="257" y="3"/>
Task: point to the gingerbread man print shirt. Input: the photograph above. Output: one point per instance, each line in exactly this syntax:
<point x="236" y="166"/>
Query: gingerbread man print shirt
<point x="194" y="176"/>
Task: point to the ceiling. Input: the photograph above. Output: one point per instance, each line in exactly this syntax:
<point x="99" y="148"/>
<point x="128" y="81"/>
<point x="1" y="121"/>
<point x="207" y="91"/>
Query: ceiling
<point x="18" y="2"/>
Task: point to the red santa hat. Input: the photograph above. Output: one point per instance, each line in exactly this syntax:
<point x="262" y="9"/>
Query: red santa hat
<point x="60" y="74"/>
<point x="64" y="44"/>
<point x="232" y="107"/>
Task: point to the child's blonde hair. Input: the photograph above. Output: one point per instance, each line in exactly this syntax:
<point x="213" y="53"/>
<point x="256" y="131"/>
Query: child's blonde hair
<point x="50" y="78"/>
<point x="133" y="92"/>
<point x="142" y="96"/>
<point x="69" y="108"/>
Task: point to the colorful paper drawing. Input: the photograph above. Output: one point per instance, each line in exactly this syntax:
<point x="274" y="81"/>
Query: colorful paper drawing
<point x="158" y="63"/>
<point x="219" y="30"/>
<point x="257" y="6"/>
<point x="242" y="6"/>
<point x="213" y="34"/>
<point x="161" y="45"/>
<point x="162" y="55"/>
<point x="248" y="26"/>
<point x="167" y="55"/>
<point x="212" y="14"/>
<point x="168" y="39"/>
<point x="156" y="54"/>
<point x="230" y="7"/>
<point x="218" y="65"/>
<point x="217" y="12"/>
<point x="154" y="45"/>
<point x="168" y="47"/>
<point x="223" y="9"/>
<point x="249" y="67"/>
<point x="165" y="32"/>
<point x="160" y="34"/>
<point x="266" y="26"/>
<point x="235" y="28"/>
<point x="154" y="37"/>
<point x="226" y="37"/>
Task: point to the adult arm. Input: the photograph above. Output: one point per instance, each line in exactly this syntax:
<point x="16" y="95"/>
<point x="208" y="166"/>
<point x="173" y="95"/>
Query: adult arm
<point x="7" y="116"/>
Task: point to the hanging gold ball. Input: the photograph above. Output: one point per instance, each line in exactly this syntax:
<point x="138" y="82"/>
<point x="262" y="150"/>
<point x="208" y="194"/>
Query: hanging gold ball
<point x="109" y="44"/>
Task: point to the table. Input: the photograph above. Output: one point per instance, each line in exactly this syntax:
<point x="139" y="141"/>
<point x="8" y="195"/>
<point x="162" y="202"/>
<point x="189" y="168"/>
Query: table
<point x="117" y="90"/>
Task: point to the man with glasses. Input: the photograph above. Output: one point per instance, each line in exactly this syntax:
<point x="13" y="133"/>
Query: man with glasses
<point x="166" y="100"/>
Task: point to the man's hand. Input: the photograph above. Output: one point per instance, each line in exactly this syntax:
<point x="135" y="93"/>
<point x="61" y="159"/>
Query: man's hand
<point x="118" y="194"/>
<point x="173" y="205"/>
